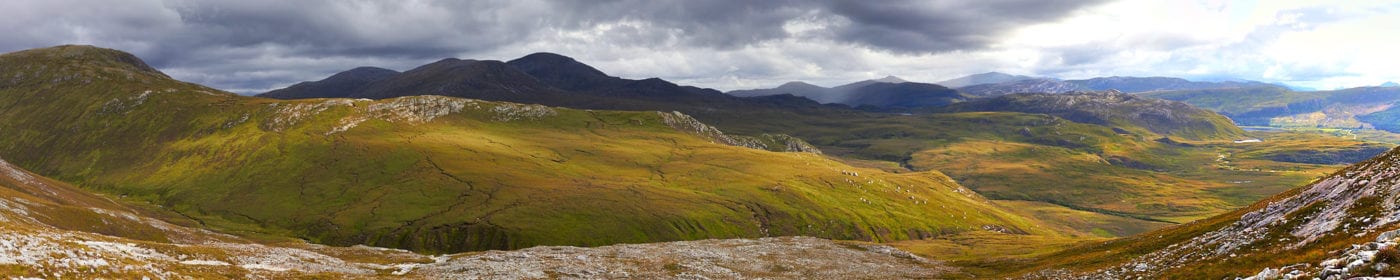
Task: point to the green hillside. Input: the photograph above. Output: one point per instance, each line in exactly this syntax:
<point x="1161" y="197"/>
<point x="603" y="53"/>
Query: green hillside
<point x="441" y="174"/>
<point x="1114" y="109"/>
<point x="1123" y="170"/>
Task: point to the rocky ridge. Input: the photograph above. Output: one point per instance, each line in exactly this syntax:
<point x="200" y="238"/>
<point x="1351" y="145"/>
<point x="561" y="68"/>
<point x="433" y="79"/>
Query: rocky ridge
<point x="1359" y="202"/>
<point x="1374" y="258"/>
<point x="770" y="142"/>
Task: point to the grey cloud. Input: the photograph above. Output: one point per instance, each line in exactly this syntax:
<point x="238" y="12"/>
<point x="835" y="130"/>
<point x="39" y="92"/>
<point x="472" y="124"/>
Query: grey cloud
<point x="939" y="26"/>
<point x="260" y="44"/>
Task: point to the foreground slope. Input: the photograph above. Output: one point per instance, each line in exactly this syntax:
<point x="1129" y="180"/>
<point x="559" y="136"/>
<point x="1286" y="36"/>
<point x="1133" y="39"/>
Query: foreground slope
<point x="1339" y="225"/>
<point x="442" y="174"/>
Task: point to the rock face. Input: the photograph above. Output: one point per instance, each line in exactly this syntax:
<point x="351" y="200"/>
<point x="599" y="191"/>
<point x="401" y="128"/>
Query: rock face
<point x="770" y="142"/>
<point x="1374" y="258"/>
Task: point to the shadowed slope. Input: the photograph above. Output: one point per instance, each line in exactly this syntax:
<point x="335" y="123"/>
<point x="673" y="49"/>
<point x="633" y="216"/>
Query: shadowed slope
<point x="341" y="84"/>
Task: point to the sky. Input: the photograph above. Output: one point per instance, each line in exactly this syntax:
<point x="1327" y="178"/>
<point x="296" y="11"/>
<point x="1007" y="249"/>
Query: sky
<point x="251" y="46"/>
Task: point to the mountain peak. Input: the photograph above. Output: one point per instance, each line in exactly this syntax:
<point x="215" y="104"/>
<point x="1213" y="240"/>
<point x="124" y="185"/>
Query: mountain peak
<point x="1390" y="84"/>
<point x="562" y="72"/>
<point x="86" y="55"/>
<point x="547" y="56"/>
<point x="363" y="69"/>
<point x="798" y="84"/>
<point x="890" y="79"/>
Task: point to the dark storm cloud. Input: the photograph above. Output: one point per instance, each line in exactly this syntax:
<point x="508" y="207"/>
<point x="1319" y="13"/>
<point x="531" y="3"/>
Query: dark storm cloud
<point x="936" y="26"/>
<point x="253" y="45"/>
<point x="896" y="25"/>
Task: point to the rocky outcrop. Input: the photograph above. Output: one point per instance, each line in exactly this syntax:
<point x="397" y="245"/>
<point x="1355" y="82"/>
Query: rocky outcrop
<point x="1375" y="258"/>
<point x="770" y="142"/>
<point x="776" y="143"/>
<point x="773" y="258"/>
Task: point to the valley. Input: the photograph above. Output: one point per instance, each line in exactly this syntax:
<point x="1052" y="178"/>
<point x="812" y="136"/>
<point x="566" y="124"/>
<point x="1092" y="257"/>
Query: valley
<point x="460" y="164"/>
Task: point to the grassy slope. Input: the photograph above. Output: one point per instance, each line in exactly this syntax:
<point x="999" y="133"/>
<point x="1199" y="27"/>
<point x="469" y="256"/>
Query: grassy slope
<point x="1111" y="108"/>
<point x="1017" y="156"/>
<point x="49" y="229"/>
<point x="492" y="176"/>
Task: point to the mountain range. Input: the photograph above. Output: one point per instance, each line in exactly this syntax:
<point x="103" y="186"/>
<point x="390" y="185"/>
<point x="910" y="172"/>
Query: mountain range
<point x="112" y="169"/>
<point x="540" y="78"/>
<point x="875" y="92"/>
<point x="994" y="84"/>
<point x="983" y="79"/>
<point x="1355" y="108"/>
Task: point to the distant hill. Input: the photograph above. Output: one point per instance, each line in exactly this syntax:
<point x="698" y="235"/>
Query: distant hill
<point x="564" y="72"/>
<point x="1364" y="107"/>
<point x="1145" y="84"/>
<point x="982" y="79"/>
<point x="343" y="84"/>
<point x="902" y="96"/>
<point x="1122" y="84"/>
<point x="879" y="94"/>
<point x="1390" y="84"/>
<point x="481" y="79"/>
<point x="1113" y="108"/>
<point x="833" y="95"/>
<point x="1037" y="85"/>
<point x="814" y="92"/>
